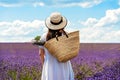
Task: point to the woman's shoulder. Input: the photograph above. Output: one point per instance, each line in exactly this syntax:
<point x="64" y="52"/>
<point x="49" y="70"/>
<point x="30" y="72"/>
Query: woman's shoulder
<point x="43" y="36"/>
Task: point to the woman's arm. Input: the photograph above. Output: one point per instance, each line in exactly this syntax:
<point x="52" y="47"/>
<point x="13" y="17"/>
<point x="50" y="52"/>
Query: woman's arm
<point x="42" y="53"/>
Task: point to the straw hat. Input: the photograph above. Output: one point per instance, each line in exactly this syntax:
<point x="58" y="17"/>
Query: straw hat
<point x="56" y="21"/>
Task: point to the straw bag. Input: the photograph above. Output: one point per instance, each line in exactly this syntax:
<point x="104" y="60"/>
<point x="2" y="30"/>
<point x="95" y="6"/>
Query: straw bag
<point x="65" y="48"/>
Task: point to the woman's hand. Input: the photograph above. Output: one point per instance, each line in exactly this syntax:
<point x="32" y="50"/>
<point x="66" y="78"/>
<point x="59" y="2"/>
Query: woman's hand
<point x="42" y="53"/>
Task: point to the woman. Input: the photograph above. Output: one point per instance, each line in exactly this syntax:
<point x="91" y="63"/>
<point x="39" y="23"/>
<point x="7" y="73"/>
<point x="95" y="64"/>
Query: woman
<point x="52" y="68"/>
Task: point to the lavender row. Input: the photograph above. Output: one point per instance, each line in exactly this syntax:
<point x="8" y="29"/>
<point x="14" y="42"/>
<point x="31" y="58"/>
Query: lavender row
<point x="21" y="62"/>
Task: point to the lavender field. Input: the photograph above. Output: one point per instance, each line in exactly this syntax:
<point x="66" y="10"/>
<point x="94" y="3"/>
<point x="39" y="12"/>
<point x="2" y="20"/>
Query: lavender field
<point x="95" y="61"/>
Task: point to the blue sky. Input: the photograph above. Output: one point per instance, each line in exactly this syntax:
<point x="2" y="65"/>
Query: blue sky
<point x="97" y="20"/>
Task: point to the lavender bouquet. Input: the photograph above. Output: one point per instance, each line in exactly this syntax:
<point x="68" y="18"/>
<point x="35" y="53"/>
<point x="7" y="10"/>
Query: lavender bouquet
<point x="36" y="41"/>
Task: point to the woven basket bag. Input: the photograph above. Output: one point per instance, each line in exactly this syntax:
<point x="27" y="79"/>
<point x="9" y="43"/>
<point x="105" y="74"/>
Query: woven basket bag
<point x="64" y="48"/>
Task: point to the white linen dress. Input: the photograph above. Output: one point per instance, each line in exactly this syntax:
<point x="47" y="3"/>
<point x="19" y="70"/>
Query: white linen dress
<point x="54" y="70"/>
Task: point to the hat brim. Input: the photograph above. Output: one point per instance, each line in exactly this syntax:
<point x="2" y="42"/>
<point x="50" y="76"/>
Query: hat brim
<point x="56" y="27"/>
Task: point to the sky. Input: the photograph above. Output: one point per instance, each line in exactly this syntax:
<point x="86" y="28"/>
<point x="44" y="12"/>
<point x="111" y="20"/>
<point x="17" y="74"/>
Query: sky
<point x="97" y="20"/>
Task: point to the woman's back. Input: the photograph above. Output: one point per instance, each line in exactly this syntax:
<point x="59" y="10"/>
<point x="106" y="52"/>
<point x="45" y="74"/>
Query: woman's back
<point x="54" y="70"/>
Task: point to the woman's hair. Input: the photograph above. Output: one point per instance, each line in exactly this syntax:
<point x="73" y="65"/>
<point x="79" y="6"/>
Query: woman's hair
<point x="53" y="33"/>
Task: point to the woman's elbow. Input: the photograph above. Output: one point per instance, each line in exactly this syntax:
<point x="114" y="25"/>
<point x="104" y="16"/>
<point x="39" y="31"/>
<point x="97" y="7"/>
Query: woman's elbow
<point x="41" y="52"/>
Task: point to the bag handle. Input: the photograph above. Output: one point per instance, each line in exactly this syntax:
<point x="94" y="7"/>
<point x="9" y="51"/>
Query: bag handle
<point x="62" y="31"/>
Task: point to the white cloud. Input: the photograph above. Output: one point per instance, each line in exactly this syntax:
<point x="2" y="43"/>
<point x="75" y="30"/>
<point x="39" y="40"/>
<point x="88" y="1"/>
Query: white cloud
<point x="105" y="29"/>
<point x="112" y="17"/>
<point x="69" y="27"/>
<point x="21" y="29"/>
<point x="89" y="3"/>
<point x="90" y="22"/>
<point x="112" y="36"/>
<point x="16" y="39"/>
<point x="83" y="4"/>
<point x="9" y="5"/>
<point x="38" y="4"/>
<point x="35" y="4"/>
